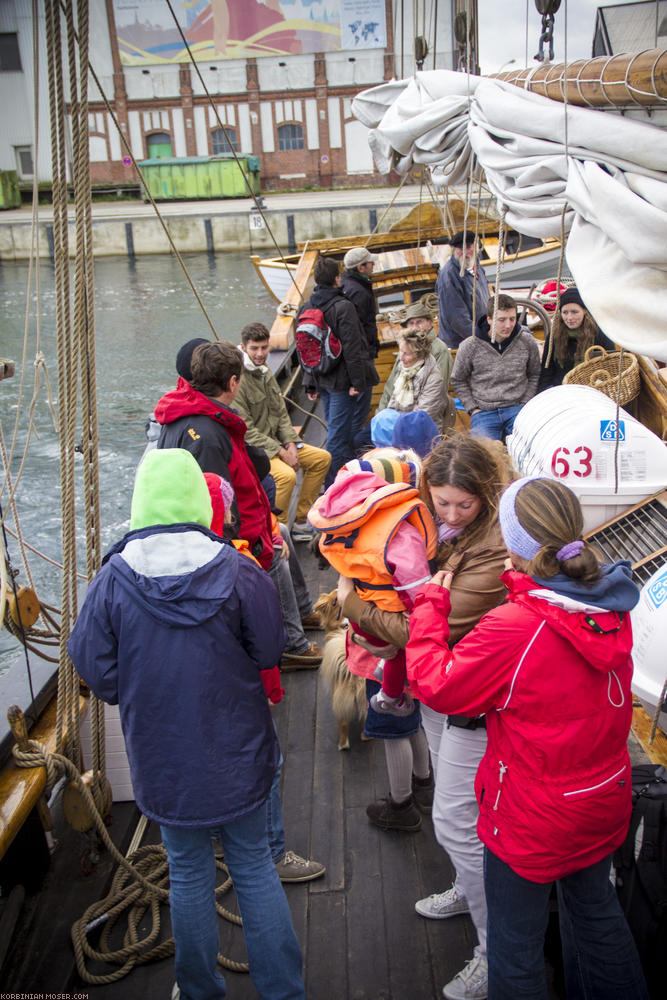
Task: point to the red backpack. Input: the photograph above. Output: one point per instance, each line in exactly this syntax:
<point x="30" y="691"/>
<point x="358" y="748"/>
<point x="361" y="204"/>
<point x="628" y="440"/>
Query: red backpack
<point x="318" y="347"/>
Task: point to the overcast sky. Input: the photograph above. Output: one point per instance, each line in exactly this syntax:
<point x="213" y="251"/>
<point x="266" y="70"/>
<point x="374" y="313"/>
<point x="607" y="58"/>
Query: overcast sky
<point x="502" y="31"/>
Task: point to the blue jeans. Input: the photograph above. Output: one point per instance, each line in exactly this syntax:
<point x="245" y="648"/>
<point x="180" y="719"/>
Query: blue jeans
<point x="496" y="424"/>
<point x="279" y="571"/>
<point x="274" y="817"/>
<point x="345" y="416"/>
<point x="599" y="954"/>
<point x="301" y="592"/>
<point x="273" y="950"/>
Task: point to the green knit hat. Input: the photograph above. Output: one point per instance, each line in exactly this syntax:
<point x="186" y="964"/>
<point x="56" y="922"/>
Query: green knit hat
<point x="170" y="489"/>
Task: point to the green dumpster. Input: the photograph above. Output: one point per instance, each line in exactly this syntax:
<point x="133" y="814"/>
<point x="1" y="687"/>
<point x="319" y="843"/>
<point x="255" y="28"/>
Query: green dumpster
<point x="199" y="177"/>
<point x="10" y="196"/>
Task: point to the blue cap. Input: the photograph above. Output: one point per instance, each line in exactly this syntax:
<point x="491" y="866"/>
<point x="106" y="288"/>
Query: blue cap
<point x="382" y="426"/>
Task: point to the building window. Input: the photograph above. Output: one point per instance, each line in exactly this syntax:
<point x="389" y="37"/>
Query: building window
<point x="159" y="146"/>
<point x="10" y="59"/>
<point x="24" y="165"/>
<point x="223" y="142"/>
<point x="290" y="137"/>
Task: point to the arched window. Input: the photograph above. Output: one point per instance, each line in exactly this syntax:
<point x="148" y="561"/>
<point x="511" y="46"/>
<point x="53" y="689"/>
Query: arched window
<point x="290" y="137"/>
<point x="159" y="146"/>
<point x="223" y="142"/>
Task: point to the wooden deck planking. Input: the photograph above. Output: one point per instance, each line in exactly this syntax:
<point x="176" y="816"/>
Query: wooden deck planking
<point x="360" y="935"/>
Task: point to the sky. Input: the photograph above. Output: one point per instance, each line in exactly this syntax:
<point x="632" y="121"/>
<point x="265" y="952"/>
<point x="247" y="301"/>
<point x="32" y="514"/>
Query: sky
<point x="502" y="31"/>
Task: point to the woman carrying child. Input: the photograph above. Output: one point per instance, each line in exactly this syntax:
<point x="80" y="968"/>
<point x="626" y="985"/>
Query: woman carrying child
<point x="551" y="670"/>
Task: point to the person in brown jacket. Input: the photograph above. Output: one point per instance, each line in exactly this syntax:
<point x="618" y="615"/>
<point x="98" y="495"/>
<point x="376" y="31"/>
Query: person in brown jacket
<point x="462" y="482"/>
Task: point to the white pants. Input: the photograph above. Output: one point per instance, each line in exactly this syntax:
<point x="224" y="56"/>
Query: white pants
<point x="432" y="724"/>
<point x="455" y="814"/>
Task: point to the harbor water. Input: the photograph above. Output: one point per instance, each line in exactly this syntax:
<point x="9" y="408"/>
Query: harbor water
<point x="145" y="310"/>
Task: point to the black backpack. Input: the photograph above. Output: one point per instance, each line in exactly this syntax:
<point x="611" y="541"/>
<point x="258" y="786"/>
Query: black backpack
<point x="317" y="346"/>
<point x="641" y="872"/>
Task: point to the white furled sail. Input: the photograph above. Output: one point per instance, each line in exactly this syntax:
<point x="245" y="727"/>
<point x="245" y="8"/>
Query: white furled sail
<point x="610" y="171"/>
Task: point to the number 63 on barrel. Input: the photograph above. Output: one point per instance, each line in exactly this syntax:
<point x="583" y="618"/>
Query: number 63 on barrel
<point x="577" y="462"/>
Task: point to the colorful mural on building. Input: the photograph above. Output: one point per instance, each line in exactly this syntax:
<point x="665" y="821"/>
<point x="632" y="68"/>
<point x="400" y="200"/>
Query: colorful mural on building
<point x="240" y="29"/>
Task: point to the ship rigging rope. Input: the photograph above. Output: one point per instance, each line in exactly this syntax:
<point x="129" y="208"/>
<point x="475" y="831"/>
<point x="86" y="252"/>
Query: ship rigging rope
<point x="381" y="219"/>
<point x="172" y="245"/>
<point x="244" y="174"/>
<point x="75" y="333"/>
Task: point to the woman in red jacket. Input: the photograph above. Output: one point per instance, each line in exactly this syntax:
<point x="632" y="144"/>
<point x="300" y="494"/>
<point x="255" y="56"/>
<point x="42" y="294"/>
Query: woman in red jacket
<point x="551" y="670"/>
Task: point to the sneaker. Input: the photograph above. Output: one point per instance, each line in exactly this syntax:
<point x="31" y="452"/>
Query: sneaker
<point x="309" y="658"/>
<point x="422" y="792"/>
<point x="389" y="816"/>
<point x="441" y="905"/>
<point x="292" y="868"/>
<point x="471" y="983"/>
<point x="311" y="621"/>
<point x="384" y="705"/>
<point x="302" y="532"/>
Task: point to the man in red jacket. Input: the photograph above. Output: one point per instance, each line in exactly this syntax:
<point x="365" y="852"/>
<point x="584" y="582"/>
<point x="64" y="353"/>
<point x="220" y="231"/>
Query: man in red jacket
<point x="197" y="416"/>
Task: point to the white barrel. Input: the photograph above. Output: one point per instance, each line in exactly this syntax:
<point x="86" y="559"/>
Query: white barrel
<point x="569" y="433"/>
<point x="649" y="630"/>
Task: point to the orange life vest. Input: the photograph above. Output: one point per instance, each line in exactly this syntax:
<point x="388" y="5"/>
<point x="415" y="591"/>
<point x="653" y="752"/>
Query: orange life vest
<point x="355" y="543"/>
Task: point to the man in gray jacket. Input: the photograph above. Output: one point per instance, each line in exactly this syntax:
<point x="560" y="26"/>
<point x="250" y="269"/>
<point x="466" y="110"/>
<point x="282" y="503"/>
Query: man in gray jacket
<point x="497" y="370"/>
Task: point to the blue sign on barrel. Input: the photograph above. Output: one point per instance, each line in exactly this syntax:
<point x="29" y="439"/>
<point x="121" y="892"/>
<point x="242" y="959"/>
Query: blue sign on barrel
<point x="608" y="430"/>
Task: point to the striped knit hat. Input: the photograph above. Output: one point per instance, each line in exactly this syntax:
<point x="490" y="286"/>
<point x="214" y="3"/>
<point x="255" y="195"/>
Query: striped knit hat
<point x="392" y="470"/>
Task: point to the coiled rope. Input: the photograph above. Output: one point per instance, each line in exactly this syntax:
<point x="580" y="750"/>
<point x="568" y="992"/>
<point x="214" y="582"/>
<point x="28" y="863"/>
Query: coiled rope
<point x="138" y="885"/>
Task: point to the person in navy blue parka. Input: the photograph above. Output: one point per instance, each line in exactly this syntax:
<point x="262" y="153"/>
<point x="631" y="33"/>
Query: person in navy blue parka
<point x="169" y="632"/>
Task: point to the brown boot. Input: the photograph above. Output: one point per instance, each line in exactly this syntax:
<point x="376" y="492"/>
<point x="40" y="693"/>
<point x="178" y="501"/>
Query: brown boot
<point x="311" y="621"/>
<point x="389" y="816"/>
<point x="308" y="659"/>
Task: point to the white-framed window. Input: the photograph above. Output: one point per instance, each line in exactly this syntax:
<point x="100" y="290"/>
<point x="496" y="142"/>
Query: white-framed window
<point x="223" y="141"/>
<point x="290" y="136"/>
<point x="24" y="164"/>
<point x="10" y="57"/>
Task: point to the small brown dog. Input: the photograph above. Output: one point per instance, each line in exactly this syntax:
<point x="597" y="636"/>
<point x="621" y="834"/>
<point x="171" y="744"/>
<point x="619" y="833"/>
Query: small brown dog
<point x="348" y="692"/>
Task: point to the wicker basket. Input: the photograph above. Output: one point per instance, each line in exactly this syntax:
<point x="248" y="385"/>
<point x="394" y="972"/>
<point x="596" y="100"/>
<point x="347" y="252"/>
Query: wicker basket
<point x="600" y="370"/>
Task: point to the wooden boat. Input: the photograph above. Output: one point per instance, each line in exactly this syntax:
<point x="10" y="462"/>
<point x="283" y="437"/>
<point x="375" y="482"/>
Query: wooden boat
<point x="526" y="260"/>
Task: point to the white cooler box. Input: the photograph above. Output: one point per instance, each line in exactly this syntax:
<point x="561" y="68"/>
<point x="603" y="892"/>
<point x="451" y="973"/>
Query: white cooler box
<point x="118" y="768"/>
<point x="649" y="632"/>
<point x="569" y="433"/>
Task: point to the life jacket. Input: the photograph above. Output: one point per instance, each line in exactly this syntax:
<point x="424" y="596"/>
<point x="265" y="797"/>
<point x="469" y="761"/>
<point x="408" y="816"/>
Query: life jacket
<point x="355" y="542"/>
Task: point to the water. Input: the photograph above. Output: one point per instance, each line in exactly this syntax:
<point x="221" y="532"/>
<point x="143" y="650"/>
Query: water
<point x="144" y="312"/>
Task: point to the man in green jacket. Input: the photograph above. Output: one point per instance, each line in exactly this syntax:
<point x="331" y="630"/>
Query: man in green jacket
<point x="261" y="405"/>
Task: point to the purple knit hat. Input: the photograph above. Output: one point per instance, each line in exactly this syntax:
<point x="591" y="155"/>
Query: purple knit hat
<point x="515" y="535"/>
<point x="516" y="538"/>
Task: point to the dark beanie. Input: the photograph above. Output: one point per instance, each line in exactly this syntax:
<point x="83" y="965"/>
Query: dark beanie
<point x="571" y="296"/>
<point x="184" y="357"/>
<point x="465" y="234"/>
<point x="416" y="430"/>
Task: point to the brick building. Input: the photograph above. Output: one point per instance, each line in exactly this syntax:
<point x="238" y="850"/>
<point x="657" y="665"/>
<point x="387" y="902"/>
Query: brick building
<point x="290" y="108"/>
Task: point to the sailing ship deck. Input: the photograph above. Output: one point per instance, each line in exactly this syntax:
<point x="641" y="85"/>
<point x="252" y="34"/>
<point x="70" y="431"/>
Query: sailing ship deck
<point x="360" y="935"/>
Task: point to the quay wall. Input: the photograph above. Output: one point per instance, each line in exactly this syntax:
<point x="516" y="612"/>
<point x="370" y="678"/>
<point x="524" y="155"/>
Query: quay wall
<point x="130" y="234"/>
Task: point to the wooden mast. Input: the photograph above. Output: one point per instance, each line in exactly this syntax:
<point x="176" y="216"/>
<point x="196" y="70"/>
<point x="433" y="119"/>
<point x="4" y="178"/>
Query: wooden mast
<point x="621" y="81"/>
